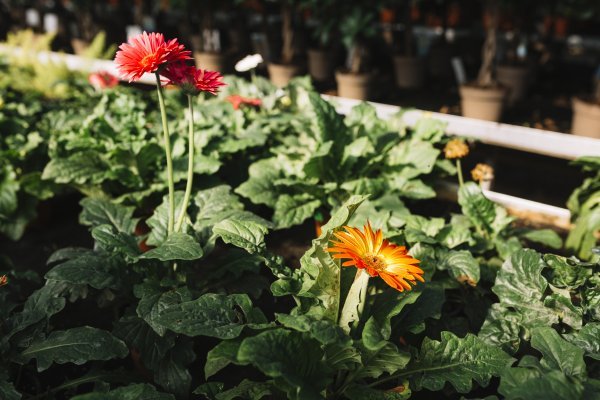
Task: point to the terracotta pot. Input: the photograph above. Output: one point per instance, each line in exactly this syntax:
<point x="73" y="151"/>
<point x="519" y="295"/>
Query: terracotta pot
<point x="282" y="74"/>
<point x="79" y="46"/>
<point x="409" y="72"/>
<point x="320" y="65"/>
<point x="482" y="103"/>
<point x="212" y="61"/>
<point x="353" y="86"/>
<point x="586" y="118"/>
<point x="516" y="79"/>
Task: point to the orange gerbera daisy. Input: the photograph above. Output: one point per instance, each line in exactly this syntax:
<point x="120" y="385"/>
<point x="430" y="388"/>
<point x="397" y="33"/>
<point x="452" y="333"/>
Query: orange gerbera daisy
<point x="369" y="251"/>
<point x="148" y="52"/>
<point x="237" y="101"/>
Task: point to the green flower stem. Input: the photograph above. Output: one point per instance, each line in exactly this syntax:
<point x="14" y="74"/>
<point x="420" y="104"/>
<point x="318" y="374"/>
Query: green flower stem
<point x="167" y="138"/>
<point x="459" y="171"/>
<point x="190" y="173"/>
<point x="355" y="301"/>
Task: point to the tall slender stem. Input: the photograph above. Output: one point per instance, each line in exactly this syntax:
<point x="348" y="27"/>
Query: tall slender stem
<point x="167" y="138"/>
<point x="459" y="172"/>
<point x="190" y="174"/>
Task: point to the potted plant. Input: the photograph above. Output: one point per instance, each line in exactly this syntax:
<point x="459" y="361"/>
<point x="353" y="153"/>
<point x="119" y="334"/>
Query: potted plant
<point x="323" y="17"/>
<point x="516" y="71"/>
<point x="356" y="26"/>
<point x="210" y="50"/>
<point x="286" y="68"/>
<point x="409" y="69"/>
<point x="483" y="99"/>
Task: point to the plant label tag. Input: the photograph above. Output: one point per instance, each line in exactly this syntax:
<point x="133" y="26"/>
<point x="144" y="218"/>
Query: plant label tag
<point x="32" y="17"/>
<point x="459" y="70"/>
<point x="51" y="23"/>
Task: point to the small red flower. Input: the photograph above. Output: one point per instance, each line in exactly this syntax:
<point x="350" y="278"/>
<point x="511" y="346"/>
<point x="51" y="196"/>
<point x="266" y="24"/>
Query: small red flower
<point x="237" y="101"/>
<point x="191" y="79"/>
<point x="208" y="81"/>
<point x="148" y="52"/>
<point x="102" y="80"/>
<point x="3" y="280"/>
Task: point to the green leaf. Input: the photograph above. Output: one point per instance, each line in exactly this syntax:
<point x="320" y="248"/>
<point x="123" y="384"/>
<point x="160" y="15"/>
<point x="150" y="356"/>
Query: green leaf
<point x="173" y="374"/>
<point x="520" y="285"/>
<point x="7" y="390"/>
<point x="486" y="215"/>
<point x="386" y="305"/>
<point x="140" y="391"/>
<point x="557" y="353"/>
<point x="547" y="237"/>
<point x="9" y="187"/>
<point x="90" y="269"/>
<point x="457" y="361"/>
<point x="139" y="336"/>
<point x="215" y="204"/>
<point x="565" y="273"/>
<point x="290" y="211"/>
<point x="588" y="339"/>
<point x="85" y="167"/>
<point x="111" y="240"/>
<point x="462" y="266"/>
<point x="530" y="383"/>
<point x="76" y="345"/>
<point x="401" y="392"/>
<point x="386" y="359"/>
<point x="178" y="246"/>
<point x="245" y="234"/>
<point x="247" y="390"/>
<point x="212" y="315"/>
<point x="292" y="359"/>
<point x="98" y="212"/>
<point x="502" y="328"/>
<point x="154" y="299"/>
<point x="221" y="356"/>
<point x="159" y="220"/>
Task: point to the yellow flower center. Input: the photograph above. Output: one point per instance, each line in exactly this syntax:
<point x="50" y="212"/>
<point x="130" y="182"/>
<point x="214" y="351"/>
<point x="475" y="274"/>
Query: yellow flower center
<point x="374" y="262"/>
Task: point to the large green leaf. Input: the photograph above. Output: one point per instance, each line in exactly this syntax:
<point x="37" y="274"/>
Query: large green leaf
<point x="76" y="345"/>
<point x="386" y="305"/>
<point x="98" y="211"/>
<point x="140" y="391"/>
<point x="178" y="246"/>
<point x="213" y="315"/>
<point x="248" y="235"/>
<point x="154" y="299"/>
<point x="557" y="353"/>
<point x="109" y="239"/>
<point x="291" y="358"/>
<point x="248" y="390"/>
<point x="86" y="167"/>
<point x="290" y="211"/>
<point x="462" y="266"/>
<point x="385" y="359"/>
<point x="520" y="285"/>
<point x="159" y="220"/>
<point x="140" y="337"/>
<point x="458" y="361"/>
<point x="587" y="339"/>
<point x="487" y="216"/>
<point x="96" y="270"/>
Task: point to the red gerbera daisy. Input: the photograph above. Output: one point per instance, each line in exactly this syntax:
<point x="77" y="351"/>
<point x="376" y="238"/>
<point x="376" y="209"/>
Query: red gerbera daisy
<point x="237" y="101"/>
<point x="191" y="79"/>
<point x="148" y="52"/>
<point x="102" y="80"/>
